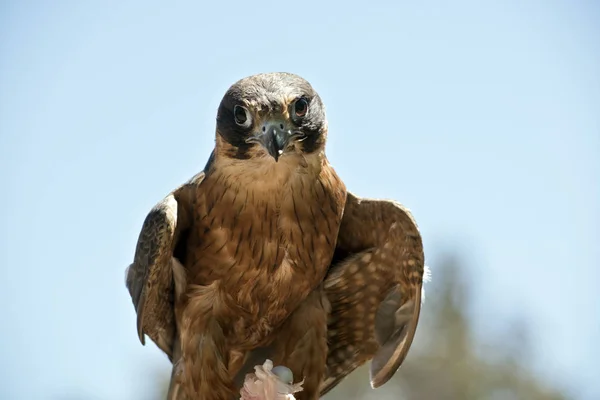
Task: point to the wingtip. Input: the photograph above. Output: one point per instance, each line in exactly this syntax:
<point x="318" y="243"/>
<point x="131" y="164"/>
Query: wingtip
<point x="141" y="335"/>
<point x="378" y="380"/>
<point x="393" y="353"/>
<point x="375" y="384"/>
<point x="140" y="320"/>
<point x="382" y="371"/>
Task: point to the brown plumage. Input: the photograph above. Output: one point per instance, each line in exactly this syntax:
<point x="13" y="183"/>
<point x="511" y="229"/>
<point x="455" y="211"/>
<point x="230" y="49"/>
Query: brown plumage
<point x="266" y="255"/>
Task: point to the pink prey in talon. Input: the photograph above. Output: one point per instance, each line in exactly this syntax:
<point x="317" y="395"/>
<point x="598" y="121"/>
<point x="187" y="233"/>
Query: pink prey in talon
<point x="268" y="383"/>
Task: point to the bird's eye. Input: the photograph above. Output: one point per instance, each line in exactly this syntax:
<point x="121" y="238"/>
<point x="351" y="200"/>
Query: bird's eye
<point x="300" y="107"/>
<point x="242" y="116"/>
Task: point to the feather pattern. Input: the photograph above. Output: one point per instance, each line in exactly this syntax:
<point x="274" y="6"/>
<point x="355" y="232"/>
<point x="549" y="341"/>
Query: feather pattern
<point x="265" y="255"/>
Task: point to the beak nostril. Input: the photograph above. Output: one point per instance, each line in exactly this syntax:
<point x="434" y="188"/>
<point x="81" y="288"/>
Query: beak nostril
<point x="274" y="136"/>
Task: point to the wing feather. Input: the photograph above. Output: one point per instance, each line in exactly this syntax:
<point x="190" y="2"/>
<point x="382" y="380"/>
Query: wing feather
<point x="374" y="287"/>
<point x="154" y="273"/>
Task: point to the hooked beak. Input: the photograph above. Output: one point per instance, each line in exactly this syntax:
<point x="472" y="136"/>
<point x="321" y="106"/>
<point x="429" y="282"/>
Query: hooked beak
<point x="274" y="136"/>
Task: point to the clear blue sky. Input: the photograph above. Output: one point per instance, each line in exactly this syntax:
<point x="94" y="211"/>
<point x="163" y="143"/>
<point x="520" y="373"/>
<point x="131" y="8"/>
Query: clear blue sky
<point x="482" y="116"/>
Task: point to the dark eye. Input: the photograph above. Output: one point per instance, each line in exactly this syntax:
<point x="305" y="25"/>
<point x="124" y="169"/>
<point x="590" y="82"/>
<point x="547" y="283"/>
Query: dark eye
<point x="242" y="116"/>
<point x="300" y="107"/>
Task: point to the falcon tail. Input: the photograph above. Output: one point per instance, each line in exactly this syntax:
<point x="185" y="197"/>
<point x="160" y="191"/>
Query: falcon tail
<point x="394" y="348"/>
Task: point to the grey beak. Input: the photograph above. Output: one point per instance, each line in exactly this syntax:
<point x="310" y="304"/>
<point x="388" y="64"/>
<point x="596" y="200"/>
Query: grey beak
<point x="275" y="137"/>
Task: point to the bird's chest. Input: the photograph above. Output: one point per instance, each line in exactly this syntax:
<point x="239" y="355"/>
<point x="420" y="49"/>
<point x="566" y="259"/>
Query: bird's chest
<point x="264" y="244"/>
<point x="265" y="253"/>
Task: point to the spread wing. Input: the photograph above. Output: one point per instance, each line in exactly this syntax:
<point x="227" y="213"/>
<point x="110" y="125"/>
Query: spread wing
<point x="151" y="277"/>
<point x="374" y="287"/>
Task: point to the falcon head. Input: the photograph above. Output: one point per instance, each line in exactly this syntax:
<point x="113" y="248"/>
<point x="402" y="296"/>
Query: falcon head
<point x="270" y="117"/>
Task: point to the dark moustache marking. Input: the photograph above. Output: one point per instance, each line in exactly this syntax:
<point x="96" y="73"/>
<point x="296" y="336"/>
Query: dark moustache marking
<point x="232" y="132"/>
<point x="312" y="143"/>
<point x="312" y="125"/>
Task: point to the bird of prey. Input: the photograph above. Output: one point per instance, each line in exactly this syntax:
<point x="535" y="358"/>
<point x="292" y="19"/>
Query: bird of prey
<point x="265" y="254"/>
